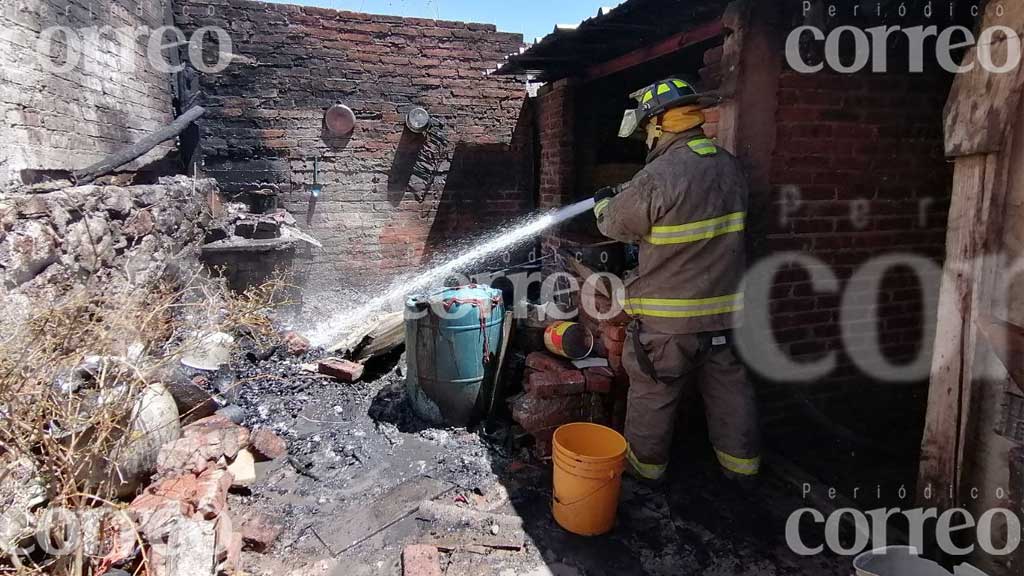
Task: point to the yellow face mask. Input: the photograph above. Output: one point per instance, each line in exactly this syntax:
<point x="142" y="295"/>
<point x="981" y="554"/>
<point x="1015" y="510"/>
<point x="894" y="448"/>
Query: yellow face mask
<point x="674" y="121"/>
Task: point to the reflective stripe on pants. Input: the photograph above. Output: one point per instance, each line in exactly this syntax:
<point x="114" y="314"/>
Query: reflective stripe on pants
<point x="742" y="466"/>
<point x="684" y="308"/>
<point x="679" y="362"/>
<point x="648" y="471"/>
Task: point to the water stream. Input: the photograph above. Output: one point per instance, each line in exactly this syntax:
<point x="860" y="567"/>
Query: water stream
<point x="333" y="329"/>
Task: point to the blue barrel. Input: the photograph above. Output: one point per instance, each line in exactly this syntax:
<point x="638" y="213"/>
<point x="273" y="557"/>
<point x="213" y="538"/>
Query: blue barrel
<point x="452" y="339"/>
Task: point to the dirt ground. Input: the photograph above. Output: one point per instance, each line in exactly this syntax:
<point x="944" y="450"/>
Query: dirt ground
<point x="361" y="464"/>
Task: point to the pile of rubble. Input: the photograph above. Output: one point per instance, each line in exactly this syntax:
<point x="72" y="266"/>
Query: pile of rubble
<point x="121" y="237"/>
<point x="237" y="224"/>
<point x="183" y="517"/>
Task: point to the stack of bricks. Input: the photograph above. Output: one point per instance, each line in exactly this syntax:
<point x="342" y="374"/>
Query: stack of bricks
<point x="557" y="393"/>
<point x="609" y="342"/>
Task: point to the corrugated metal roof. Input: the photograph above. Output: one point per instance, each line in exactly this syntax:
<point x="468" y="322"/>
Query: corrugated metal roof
<point x="613" y="31"/>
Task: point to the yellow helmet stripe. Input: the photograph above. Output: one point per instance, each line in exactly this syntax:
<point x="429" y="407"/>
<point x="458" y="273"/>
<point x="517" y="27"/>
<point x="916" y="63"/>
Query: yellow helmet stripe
<point x="664" y="89"/>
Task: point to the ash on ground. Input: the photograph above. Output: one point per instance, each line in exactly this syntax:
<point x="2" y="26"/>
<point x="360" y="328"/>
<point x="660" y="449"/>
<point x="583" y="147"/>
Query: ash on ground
<point x="351" y="448"/>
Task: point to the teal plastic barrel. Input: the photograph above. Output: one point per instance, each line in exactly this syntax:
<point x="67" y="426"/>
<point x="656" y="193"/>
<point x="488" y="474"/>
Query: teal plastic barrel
<point x="452" y="338"/>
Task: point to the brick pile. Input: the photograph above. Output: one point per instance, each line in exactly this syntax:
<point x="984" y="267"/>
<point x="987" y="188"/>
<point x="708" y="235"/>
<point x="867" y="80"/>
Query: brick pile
<point x="188" y="501"/>
<point x="557" y="393"/>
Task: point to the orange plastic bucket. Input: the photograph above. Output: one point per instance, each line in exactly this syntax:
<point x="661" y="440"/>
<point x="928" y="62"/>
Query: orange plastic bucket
<point x="589" y="460"/>
<point x="569" y="340"/>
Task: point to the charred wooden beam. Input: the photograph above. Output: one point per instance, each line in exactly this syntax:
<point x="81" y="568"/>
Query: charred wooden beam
<point x="129" y="153"/>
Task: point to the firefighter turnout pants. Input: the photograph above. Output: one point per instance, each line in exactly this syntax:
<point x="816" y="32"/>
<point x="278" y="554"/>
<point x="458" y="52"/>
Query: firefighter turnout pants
<point x="661" y="368"/>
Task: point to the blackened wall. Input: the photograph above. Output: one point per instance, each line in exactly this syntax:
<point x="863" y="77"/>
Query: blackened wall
<point x="858" y="173"/>
<point x="375" y="218"/>
<point x="65" y="104"/>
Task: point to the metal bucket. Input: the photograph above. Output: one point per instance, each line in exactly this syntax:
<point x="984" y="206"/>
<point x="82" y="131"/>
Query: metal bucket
<point x="452" y="338"/>
<point x="569" y="340"/>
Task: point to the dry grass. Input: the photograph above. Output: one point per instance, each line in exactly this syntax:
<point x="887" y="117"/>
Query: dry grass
<point x="69" y="436"/>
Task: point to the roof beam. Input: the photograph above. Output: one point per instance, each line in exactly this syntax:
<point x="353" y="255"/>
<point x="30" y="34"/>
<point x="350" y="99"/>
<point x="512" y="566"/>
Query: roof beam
<point x="665" y="47"/>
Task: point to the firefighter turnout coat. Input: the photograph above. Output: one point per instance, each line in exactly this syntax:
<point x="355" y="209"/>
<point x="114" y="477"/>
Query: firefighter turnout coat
<point x="687" y="210"/>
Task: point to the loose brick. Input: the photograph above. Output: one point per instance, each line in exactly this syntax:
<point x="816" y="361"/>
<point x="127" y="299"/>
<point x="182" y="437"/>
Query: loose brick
<point x="544" y="362"/>
<point x="612" y="347"/>
<point x="421" y="560"/>
<point x="259" y="533"/>
<point x="267" y="446"/>
<point x="599" y="380"/>
<point x="211" y="496"/>
<point x="552" y="384"/>
<point x="296" y="343"/>
<point x="343" y="370"/>
<point x="614" y="332"/>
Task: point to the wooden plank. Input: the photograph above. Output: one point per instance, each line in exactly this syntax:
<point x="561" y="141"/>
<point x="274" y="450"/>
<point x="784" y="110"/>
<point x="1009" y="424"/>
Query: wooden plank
<point x="665" y="47"/>
<point x="455" y="528"/>
<point x="982" y="104"/>
<point x="369" y="519"/>
<point x="949" y="392"/>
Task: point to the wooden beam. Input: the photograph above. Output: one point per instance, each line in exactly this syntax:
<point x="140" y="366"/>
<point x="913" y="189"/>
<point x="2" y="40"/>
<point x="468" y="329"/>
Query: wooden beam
<point x="129" y="153"/>
<point x="952" y="363"/>
<point x="981" y="103"/>
<point x="665" y="47"/>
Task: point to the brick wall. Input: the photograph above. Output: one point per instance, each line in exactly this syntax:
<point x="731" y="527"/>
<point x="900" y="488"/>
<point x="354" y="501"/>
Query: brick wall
<point x="111" y="96"/>
<point x="374" y="219"/>
<point x="858" y="172"/>
<point x="556" y="134"/>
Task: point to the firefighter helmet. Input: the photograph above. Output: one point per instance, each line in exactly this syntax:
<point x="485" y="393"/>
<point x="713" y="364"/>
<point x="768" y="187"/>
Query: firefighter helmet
<point x="655" y="99"/>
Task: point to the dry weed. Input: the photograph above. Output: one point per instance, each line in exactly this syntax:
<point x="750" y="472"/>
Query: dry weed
<point x="71" y="376"/>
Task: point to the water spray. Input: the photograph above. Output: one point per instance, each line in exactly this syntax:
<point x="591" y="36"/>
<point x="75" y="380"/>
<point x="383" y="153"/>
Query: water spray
<point x="333" y="329"/>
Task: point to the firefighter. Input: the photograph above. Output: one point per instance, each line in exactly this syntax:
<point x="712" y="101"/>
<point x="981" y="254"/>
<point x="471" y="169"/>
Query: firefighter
<point x="687" y="210"/>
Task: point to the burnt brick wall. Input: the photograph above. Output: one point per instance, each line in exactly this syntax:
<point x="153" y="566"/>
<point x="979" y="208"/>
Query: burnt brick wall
<point x="556" y="133"/>
<point x="858" y="172"/>
<point x="109" y="96"/>
<point x="264" y="127"/>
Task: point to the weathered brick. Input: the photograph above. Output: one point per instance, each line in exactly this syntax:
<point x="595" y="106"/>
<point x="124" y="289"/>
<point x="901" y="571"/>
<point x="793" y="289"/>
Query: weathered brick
<point x="599" y="380"/>
<point x="266" y="445"/>
<point x="544" y="362"/>
<point x="343" y="370"/>
<point x="421" y="560"/>
<point x="552" y="384"/>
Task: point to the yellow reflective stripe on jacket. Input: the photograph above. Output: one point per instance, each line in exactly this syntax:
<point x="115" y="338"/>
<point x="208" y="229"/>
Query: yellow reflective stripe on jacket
<point x="703" y="146"/>
<point x="684" y="308"/>
<point x="744" y="466"/>
<point x="697" y="231"/>
<point x="648" y="471"/>
<point x="601" y="206"/>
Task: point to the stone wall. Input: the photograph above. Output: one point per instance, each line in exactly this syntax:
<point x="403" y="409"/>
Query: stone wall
<point x="100" y="92"/>
<point x="109" y="239"/>
<point x="375" y="218"/>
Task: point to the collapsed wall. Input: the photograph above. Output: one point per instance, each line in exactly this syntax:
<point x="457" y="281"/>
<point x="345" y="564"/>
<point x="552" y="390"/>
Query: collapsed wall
<point x="88" y="237"/>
